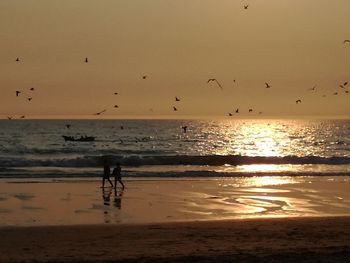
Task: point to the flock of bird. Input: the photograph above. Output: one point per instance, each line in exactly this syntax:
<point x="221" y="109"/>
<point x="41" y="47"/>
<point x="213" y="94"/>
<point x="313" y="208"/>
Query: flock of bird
<point x="175" y="108"/>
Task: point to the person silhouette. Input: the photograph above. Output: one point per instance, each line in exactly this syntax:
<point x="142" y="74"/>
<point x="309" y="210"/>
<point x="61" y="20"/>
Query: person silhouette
<point x="106" y="172"/>
<point x="117" y="175"/>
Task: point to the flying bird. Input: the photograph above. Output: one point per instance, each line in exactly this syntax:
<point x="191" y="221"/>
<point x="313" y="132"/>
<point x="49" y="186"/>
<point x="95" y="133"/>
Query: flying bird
<point x="86" y="60"/>
<point x="267" y="85"/>
<point x="32" y="89"/>
<point x="246" y="6"/>
<point x="313" y="88"/>
<point x="100" y="112"/>
<point x="343" y="85"/>
<point x="17" y="93"/>
<point x="177" y="99"/>
<point x="9" y="118"/>
<point x="298" y="101"/>
<point x="346" y="41"/>
<point x="217" y="82"/>
<point x="144" y="77"/>
<point x="22" y="117"/>
<point x="174" y="108"/>
<point x="250" y="110"/>
<point x="116" y="106"/>
<point x="115" y="93"/>
<point x="29" y="99"/>
<point x="237" y="111"/>
<point x="335" y="93"/>
<point x="17" y="60"/>
<point x="229" y="114"/>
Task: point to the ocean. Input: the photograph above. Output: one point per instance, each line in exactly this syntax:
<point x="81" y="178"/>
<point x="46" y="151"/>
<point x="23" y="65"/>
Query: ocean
<point x="161" y="148"/>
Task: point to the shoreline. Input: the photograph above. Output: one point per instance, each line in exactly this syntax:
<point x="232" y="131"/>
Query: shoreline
<point x="299" y="239"/>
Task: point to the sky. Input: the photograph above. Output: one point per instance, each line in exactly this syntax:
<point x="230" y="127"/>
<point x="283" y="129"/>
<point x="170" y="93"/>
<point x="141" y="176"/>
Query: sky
<point x="178" y="45"/>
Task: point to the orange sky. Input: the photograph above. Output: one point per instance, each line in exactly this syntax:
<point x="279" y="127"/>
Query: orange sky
<point x="178" y="45"/>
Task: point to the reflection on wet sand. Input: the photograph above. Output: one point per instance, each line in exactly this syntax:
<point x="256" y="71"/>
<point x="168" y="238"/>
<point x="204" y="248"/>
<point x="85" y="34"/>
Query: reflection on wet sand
<point x="268" y="196"/>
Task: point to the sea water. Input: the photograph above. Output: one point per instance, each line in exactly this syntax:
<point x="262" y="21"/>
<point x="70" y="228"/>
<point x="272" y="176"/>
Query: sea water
<point x="162" y="148"/>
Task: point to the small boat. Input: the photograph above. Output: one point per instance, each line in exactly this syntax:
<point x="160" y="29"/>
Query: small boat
<point x="80" y="139"/>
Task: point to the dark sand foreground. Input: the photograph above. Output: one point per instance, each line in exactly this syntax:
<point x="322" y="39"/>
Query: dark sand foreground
<point x="319" y="239"/>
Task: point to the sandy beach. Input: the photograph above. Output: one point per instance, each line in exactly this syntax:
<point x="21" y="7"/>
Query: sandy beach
<point x="252" y="240"/>
<point x="258" y="219"/>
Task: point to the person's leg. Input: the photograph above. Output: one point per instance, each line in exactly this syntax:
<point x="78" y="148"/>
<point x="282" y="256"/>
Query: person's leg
<point x="103" y="182"/>
<point x="120" y="181"/>
<point x="109" y="180"/>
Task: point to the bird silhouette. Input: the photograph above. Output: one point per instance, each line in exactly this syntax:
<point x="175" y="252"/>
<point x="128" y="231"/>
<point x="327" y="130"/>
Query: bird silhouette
<point x="17" y="60"/>
<point x="100" y="112"/>
<point x="237" y="111"/>
<point x="68" y="126"/>
<point x="86" y="60"/>
<point x="298" y="101"/>
<point x="229" y="114"/>
<point x="346" y="91"/>
<point x="184" y="128"/>
<point x="335" y="93"/>
<point x="29" y="99"/>
<point x="346" y="41"/>
<point x="216" y="81"/>
<point x="144" y="77"/>
<point x="17" y="93"/>
<point x="250" y="110"/>
<point x="343" y="85"/>
<point x="116" y="106"/>
<point x="32" y="89"/>
<point x="174" y="108"/>
<point x="177" y="99"/>
<point x="246" y="6"/>
<point x="313" y="88"/>
<point x="267" y="85"/>
<point x="9" y="118"/>
<point x="22" y="117"/>
<point x="115" y="93"/>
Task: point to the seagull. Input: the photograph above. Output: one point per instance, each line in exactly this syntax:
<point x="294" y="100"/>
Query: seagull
<point x="229" y="114"/>
<point x="115" y="93"/>
<point x="346" y="91"/>
<point x="217" y="82"/>
<point x="250" y="110"/>
<point x="22" y="117"/>
<point x="174" y="108"/>
<point x="17" y="93"/>
<point x="17" y="59"/>
<point x="99" y="113"/>
<point x="144" y="77"/>
<point x="343" y="85"/>
<point x="9" y="118"/>
<point x="184" y="128"/>
<point x="32" y="89"/>
<point x="246" y="6"/>
<point x="29" y="99"/>
<point x="86" y="60"/>
<point x="177" y="99"/>
<point x="237" y="111"/>
<point x="346" y="41"/>
<point x="335" y="93"/>
<point x="116" y="106"/>
<point x="298" y="101"/>
<point x="267" y="85"/>
<point x="313" y="88"/>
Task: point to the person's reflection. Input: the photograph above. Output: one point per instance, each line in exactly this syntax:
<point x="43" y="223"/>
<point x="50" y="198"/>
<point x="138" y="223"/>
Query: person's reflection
<point x="118" y="198"/>
<point x="106" y="195"/>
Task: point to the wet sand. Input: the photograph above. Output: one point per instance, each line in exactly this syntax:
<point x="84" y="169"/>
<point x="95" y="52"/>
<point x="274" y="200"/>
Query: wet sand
<point x="262" y="219"/>
<point x="150" y="201"/>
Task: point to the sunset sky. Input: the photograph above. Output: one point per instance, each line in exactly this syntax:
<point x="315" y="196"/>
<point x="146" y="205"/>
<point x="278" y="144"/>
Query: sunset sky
<point x="293" y="45"/>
